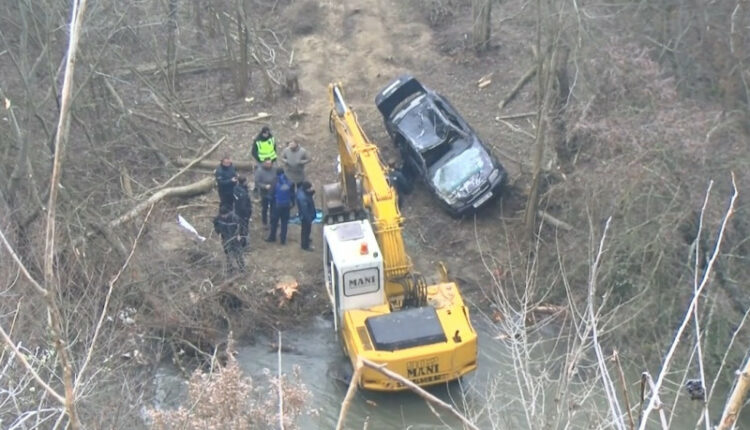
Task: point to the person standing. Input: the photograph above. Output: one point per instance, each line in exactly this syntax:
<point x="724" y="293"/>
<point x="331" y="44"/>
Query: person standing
<point x="399" y="181"/>
<point x="244" y="209"/>
<point x="226" y="224"/>
<point x="264" y="146"/>
<point x="282" y="203"/>
<point x="294" y="158"/>
<point x="265" y="176"/>
<point x="226" y="177"/>
<point x="307" y="213"/>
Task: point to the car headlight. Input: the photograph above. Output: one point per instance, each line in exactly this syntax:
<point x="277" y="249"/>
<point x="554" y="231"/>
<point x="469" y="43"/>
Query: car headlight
<point x="494" y="175"/>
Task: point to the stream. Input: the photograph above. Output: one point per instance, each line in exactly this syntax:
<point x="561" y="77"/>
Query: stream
<point x="315" y="350"/>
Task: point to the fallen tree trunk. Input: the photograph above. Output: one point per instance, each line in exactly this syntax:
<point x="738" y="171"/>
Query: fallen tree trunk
<point x="194" y="162"/>
<point x="209" y="164"/>
<point x="197" y="188"/>
<point x="520" y="84"/>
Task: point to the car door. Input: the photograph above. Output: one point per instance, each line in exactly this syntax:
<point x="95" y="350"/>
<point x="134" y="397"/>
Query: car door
<point x="413" y="162"/>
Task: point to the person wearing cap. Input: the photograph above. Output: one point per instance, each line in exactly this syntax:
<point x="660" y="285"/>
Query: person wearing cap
<point x="264" y="146"/>
<point x="307" y="213"/>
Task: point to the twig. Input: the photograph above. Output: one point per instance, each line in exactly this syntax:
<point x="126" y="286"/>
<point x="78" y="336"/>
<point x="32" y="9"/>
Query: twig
<point x="418" y="390"/>
<point x="518" y="129"/>
<point x="27" y="365"/>
<point x="103" y="314"/>
<point x="696" y="319"/>
<point x="22" y="267"/>
<point x="655" y="400"/>
<point x="606" y="380"/>
<point x="624" y="389"/>
<point x="517" y="115"/>
<point x="151" y="118"/>
<point x="349" y="395"/>
<point x="281" y="391"/>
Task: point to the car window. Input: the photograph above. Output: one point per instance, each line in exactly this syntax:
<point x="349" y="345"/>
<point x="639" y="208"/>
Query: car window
<point x="434" y="154"/>
<point x="453" y="174"/>
<point x="448" y="114"/>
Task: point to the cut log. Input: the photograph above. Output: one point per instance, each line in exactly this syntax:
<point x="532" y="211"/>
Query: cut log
<point x="556" y="222"/>
<point x="239" y="119"/>
<point x="197" y="188"/>
<point x="520" y="84"/>
<point x="194" y="162"/>
<point x="210" y="164"/>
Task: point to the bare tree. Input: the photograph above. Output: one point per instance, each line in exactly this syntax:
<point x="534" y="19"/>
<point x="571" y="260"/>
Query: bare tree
<point x="481" y="13"/>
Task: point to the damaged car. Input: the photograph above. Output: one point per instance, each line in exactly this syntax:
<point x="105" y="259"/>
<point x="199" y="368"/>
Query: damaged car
<point x="439" y="147"/>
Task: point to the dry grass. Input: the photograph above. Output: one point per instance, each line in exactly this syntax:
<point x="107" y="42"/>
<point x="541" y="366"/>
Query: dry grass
<point x="227" y="399"/>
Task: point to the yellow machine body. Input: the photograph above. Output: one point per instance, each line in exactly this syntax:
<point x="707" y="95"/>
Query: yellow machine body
<point x="383" y="310"/>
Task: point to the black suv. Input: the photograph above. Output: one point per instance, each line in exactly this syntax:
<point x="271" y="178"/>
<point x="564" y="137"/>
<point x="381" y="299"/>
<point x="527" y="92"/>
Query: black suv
<point x="439" y="146"/>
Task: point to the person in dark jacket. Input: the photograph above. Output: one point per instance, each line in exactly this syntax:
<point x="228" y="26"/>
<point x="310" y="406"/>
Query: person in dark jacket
<point x="244" y="209"/>
<point x="399" y="181"/>
<point x="282" y="203"/>
<point x="264" y="146"/>
<point x="226" y="177"/>
<point x="265" y="177"/>
<point x="307" y="212"/>
<point x="227" y="225"/>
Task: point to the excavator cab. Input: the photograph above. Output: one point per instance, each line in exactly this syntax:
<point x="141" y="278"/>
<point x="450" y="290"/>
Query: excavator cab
<point x="353" y="267"/>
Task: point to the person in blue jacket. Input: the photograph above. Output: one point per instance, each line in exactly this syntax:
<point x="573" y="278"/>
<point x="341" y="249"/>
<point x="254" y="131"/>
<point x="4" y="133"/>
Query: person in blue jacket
<point x="306" y="206"/>
<point x="282" y="203"/>
<point x="226" y="178"/>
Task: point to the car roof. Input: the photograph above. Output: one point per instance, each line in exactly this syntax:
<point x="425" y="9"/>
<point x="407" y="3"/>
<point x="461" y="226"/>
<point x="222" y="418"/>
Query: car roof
<point x="417" y="121"/>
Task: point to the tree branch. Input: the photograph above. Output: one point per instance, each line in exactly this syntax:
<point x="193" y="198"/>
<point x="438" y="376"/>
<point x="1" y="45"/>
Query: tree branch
<point x="696" y="296"/>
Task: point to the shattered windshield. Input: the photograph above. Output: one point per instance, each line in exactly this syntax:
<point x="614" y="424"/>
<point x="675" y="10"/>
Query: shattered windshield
<point x="461" y="172"/>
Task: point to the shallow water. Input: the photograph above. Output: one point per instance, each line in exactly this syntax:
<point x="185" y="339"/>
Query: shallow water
<point x="314" y="348"/>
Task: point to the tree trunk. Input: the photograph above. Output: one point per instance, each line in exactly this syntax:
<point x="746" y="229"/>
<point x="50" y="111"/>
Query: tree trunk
<point x="481" y="11"/>
<point x="172" y="46"/>
<point x="533" y="201"/>
<point x="51" y="281"/>
<point x="558" y="101"/>
<point x="241" y="66"/>
<point x="736" y="399"/>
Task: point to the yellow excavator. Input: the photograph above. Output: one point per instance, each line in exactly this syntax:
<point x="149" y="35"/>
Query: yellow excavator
<point x="383" y="310"/>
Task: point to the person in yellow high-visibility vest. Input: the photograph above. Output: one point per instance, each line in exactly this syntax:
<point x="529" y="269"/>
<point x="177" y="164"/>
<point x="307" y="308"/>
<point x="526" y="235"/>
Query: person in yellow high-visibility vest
<point x="264" y="146"/>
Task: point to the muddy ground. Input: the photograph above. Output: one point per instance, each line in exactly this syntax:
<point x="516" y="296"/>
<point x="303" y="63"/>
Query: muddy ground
<point x="364" y="44"/>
